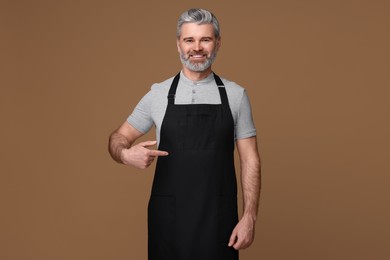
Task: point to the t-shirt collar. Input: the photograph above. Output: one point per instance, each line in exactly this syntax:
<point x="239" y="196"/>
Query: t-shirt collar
<point x="208" y="79"/>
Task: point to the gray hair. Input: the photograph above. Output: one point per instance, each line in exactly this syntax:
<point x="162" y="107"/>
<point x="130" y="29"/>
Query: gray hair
<point x="199" y="16"/>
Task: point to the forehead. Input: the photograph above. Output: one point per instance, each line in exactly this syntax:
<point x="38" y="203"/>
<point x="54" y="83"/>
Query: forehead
<point x="197" y="30"/>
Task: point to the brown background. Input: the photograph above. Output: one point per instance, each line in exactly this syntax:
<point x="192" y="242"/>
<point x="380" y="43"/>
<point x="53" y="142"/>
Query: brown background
<point x="317" y="73"/>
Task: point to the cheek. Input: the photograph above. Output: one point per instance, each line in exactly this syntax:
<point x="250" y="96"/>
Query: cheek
<point x="180" y="47"/>
<point x="210" y="51"/>
<point x="183" y="50"/>
<point x="183" y="53"/>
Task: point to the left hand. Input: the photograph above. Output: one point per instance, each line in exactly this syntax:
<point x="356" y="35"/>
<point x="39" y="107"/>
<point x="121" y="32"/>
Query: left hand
<point x="243" y="234"/>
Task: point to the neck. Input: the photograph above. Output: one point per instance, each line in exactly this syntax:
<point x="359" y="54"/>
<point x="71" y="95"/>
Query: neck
<point x="196" y="75"/>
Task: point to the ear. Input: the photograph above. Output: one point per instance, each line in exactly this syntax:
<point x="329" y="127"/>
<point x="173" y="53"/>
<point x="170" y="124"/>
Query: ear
<point x="178" y="44"/>
<point x="218" y="43"/>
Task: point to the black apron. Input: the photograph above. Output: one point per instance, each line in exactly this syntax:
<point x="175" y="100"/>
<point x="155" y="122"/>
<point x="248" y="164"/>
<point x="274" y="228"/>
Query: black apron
<point x="193" y="205"/>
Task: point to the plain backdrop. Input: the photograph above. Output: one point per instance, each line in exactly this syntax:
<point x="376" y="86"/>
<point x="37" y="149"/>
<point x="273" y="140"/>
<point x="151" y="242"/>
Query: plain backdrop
<point x="316" y="72"/>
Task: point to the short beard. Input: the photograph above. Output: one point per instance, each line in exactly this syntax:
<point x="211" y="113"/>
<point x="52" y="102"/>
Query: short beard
<point x="198" y="66"/>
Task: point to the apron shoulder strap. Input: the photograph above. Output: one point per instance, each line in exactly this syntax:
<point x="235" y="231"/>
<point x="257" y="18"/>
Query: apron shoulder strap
<point x="172" y="90"/>
<point x="218" y="80"/>
<point x="222" y="93"/>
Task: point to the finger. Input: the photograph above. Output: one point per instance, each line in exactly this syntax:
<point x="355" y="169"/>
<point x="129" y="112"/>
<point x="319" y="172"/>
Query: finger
<point x="147" y="143"/>
<point x="151" y="160"/>
<point x="157" y="153"/>
<point x="238" y="245"/>
<point x="233" y="238"/>
<point x="148" y="164"/>
<point x="242" y="242"/>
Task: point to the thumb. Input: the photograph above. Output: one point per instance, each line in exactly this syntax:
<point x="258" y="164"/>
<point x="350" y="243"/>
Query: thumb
<point x="147" y="143"/>
<point x="233" y="237"/>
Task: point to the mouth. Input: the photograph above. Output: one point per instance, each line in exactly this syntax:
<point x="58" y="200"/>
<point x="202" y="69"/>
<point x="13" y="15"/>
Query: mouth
<point x="197" y="56"/>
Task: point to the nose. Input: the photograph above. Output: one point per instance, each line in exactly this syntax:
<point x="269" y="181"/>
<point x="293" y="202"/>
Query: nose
<point x="198" y="46"/>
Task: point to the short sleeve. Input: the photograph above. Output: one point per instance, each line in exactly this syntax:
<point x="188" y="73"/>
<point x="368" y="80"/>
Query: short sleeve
<point x="141" y="118"/>
<point x="245" y="127"/>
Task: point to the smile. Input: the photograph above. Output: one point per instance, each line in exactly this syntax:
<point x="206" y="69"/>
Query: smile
<point x="198" y="56"/>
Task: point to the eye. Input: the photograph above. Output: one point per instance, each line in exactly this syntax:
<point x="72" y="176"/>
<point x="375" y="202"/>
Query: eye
<point x="188" y="40"/>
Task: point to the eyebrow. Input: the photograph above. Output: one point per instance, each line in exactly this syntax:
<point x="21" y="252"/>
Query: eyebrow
<point x="203" y="38"/>
<point x="188" y="38"/>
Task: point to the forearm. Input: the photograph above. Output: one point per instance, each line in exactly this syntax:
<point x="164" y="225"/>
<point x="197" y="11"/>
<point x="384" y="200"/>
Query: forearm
<point x="117" y="143"/>
<point x="243" y="234"/>
<point x="251" y="183"/>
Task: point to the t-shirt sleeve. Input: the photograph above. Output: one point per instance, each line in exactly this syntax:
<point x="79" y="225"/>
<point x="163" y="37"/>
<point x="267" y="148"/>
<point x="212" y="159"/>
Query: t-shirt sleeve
<point x="141" y="118"/>
<point x="245" y="127"/>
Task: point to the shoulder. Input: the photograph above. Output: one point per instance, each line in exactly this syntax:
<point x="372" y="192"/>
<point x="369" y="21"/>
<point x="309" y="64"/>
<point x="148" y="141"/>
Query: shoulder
<point x="162" y="86"/>
<point x="233" y="89"/>
<point x="232" y="85"/>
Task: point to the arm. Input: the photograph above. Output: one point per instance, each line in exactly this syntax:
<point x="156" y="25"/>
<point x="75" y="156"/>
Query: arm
<point x="122" y="150"/>
<point x="243" y="234"/>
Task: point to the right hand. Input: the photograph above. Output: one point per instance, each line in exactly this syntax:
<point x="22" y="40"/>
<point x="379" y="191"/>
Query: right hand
<point x="140" y="156"/>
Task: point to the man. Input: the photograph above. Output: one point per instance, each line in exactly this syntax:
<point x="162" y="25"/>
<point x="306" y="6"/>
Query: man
<point x="192" y="212"/>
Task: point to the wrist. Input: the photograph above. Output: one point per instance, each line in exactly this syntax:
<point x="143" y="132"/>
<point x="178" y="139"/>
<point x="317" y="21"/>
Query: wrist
<point x="122" y="155"/>
<point x="250" y="215"/>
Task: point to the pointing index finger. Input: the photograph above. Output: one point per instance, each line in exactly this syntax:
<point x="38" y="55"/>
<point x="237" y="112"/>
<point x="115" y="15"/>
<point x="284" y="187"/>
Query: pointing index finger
<point x="158" y="153"/>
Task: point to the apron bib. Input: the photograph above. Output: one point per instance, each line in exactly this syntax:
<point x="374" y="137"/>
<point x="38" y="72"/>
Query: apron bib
<point x="193" y="205"/>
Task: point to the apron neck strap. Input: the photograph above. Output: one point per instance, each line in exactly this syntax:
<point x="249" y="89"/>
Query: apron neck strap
<point x="222" y="93"/>
<point x="218" y="80"/>
<point x="172" y="90"/>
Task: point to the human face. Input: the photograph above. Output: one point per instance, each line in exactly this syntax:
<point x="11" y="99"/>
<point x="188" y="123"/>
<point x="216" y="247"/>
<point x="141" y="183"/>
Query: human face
<point x="197" y="46"/>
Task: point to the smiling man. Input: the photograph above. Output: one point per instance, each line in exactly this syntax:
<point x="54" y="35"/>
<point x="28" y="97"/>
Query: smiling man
<point x="198" y="47"/>
<point x="199" y="118"/>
